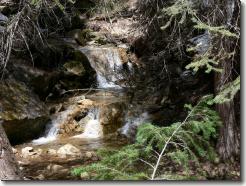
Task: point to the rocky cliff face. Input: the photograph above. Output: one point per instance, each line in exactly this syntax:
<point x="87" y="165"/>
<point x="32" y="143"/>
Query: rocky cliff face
<point x="24" y="116"/>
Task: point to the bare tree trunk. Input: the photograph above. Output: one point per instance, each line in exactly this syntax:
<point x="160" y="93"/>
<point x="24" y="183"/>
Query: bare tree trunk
<point x="229" y="140"/>
<point x="228" y="144"/>
<point x="8" y="165"/>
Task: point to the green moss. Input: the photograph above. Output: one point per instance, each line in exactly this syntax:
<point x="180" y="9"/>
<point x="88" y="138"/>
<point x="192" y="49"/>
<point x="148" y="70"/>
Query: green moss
<point x="75" y="67"/>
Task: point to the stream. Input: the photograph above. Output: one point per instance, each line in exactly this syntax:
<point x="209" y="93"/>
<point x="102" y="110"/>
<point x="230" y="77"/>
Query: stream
<point x="85" y="122"/>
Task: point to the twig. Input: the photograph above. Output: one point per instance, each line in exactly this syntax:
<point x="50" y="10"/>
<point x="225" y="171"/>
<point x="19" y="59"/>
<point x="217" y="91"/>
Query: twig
<point x="166" y="144"/>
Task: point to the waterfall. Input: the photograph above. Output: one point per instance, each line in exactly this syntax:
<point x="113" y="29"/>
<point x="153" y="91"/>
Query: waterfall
<point x="104" y="83"/>
<point x="53" y="127"/>
<point x="50" y="136"/>
<point x="107" y="64"/>
<point x="93" y="128"/>
<point x="131" y="124"/>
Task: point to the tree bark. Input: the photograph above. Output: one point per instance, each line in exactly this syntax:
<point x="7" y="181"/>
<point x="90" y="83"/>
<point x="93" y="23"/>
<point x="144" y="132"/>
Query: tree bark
<point x="229" y="140"/>
<point x="9" y="169"/>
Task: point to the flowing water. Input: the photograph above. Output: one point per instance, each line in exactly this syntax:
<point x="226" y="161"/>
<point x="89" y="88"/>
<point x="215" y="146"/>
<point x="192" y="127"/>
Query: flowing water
<point x="109" y="69"/>
<point x="93" y="129"/>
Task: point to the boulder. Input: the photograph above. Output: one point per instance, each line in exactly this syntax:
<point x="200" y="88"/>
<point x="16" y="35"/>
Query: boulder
<point x="29" y="152"/>
<point x="67" y="119"/>
<point x="68" y="149"/>
<point x="51" y="152"/>
<point x="75" y="67"/>
<point x="24" y="115"/>
<point x="111" y="117"/>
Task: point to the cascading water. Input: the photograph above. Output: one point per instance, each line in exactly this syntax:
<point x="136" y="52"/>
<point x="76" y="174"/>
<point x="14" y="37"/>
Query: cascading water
<point x="131" y="124"/>
<point x="93" y="128"/>
<point x="108" y="65"/>
<point x="53" y="128"/>
<point x="51" y="135"/>
<point x="104" y="83"/>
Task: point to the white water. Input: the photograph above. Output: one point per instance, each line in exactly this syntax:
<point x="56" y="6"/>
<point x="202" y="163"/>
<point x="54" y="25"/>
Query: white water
<point x="52" y="130"/>
<point x="50" y="136"/>
<point x="107" y="64"/>
<point x="132" y="123"/>
<point x="93" y="128"/>
<point x="104" y="83"/>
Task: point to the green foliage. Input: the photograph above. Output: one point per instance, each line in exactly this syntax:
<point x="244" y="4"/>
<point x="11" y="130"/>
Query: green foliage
<point x="182" y="10"/>
<point x="214" y="29"/>
<point x="178" y="11"/>
<point x="186" y="142"/>
<point x="115" y="165"/>
<point x="204" y="61"/>
<point x="227" y="92"/>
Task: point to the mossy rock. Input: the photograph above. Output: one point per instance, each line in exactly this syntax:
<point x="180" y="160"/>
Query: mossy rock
<point x="75" y="67"/>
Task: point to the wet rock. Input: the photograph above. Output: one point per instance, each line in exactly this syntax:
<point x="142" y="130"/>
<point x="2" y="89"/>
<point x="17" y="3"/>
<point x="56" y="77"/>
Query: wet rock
<point x="111" y="117"/>
<point x="68" y="149"/>
<point x="24" y="115"/>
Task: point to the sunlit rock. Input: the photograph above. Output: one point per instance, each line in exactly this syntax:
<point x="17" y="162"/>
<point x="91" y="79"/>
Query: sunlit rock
<point x="68" y="149"/>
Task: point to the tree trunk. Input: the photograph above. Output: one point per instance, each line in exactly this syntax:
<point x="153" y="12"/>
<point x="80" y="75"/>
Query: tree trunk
<point x="228" y="15"/>
<point x="228" y="144"/>
<point x="229" y="140"/>
<point x="8" y="165"/>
